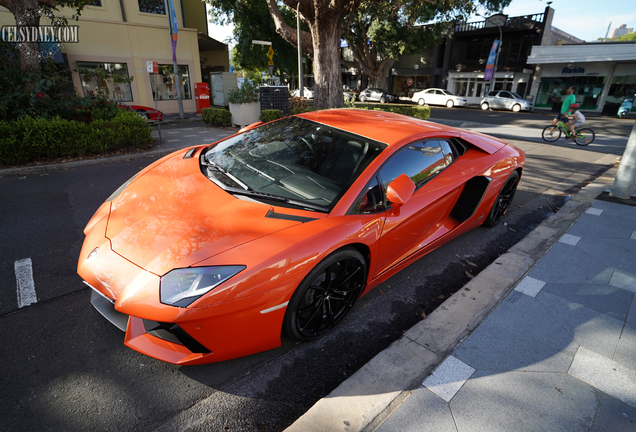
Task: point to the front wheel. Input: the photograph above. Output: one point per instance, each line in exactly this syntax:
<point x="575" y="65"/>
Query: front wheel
<point x="326" y="295"/>
<point x="363" y="98"/>
<point x="516" y="108"/>
<point x="450" y="103"/>
<point x="551" y="133"/>
<point x="484" y="106"/>
<point x="503" y="201"/>
<point x="382" y="99"/>
<point x="584" y="136"/>
<point x="622" y="114"/>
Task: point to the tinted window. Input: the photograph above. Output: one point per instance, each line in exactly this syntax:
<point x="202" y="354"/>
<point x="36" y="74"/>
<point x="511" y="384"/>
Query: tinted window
<point x="419" y="161"/>
<point x="492" y="94"/>
<point x="438" y="92"/>
<point x="371" y="200"/>
<point x="505" y="95"/>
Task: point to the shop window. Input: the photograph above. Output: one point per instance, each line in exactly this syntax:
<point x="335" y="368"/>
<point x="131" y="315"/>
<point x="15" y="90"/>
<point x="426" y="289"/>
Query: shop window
<point x="97" y="3"/>
<point x="105" y="78"/>
<point x="152" y="6"/>
<point x="165" y="83"/>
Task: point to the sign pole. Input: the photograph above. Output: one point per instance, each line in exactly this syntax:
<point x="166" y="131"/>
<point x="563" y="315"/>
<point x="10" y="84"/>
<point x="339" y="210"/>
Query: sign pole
<point x="153" y="68"/>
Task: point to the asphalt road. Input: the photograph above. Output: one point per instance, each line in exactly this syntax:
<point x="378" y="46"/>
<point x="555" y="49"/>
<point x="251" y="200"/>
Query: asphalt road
<point x="66" y="368"/>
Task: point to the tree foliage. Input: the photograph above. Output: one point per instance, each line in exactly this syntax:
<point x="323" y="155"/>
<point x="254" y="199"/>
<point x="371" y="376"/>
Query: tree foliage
<point x="377" y="31"/>
<point x="627" y="37"/>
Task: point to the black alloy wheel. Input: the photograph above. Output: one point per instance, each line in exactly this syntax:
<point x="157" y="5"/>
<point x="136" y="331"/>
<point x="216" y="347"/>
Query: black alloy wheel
<point x="503" y="201"/>
<point x="326" y="296"/>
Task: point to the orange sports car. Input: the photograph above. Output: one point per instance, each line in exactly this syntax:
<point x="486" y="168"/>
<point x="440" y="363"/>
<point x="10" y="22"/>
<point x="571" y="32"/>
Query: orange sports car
<point x="213" y="251"/>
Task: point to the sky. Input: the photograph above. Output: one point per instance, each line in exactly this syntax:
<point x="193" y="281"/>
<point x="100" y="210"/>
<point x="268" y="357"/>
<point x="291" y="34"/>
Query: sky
<point x="585" y="19"/>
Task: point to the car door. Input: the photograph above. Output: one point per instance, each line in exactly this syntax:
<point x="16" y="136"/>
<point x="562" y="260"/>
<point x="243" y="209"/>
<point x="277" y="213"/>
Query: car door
<point x="507" y="100"/>
<point x="420" y="220"/>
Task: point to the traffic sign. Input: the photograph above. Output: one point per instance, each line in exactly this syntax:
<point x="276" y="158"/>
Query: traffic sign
<point x="270" y="53"/>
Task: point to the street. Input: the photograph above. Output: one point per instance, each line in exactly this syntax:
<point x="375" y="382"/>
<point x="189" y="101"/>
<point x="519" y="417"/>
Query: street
<point x="66" y="368"/>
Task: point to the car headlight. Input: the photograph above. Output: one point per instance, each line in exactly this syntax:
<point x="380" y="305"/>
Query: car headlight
<point x="181" y="287"/>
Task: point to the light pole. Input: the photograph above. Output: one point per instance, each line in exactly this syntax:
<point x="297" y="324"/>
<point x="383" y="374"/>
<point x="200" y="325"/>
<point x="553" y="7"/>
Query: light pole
<point x="498" y="48"/>
<point x="416" y="67"/>
<point x="300" y="53"/>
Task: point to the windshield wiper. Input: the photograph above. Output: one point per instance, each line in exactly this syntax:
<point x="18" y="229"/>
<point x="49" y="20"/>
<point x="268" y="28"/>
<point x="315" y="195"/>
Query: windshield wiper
<point x="253" y="193"/>
<point x="227" y="174"/>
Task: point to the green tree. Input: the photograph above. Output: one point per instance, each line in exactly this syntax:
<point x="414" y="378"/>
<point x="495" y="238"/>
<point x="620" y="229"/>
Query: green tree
<point x="251" y="22"/>
<point x="27" y="16"/>
<point x="627" y="37"/>
<point x="378" y="31"/>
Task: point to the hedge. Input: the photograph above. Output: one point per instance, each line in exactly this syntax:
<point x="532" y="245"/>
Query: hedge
<point x="29" y="139"/>
<point x="269" y="115"/>
<point x="216" y="116"/>
<point x="417" y="111"/>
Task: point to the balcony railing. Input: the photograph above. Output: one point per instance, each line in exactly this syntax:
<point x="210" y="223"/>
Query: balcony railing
<point x="511" y="22"/>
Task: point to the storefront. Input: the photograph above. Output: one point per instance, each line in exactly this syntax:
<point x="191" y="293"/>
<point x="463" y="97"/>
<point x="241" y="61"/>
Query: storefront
<point x="602" y="74"/>
<point x="473" y="86"/>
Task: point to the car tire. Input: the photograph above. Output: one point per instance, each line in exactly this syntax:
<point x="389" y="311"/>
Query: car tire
<point x="623" y="114"/>
<point x="363" y="98"/>
<point x="421" y="102"/>
<point x="485" y="106"/>
<point x="382" y="99"/>
<point x="504" y="200"/>
<point x="326" y="295"/>
<point x="450" y="103"/>
<point x="515" y="108"/>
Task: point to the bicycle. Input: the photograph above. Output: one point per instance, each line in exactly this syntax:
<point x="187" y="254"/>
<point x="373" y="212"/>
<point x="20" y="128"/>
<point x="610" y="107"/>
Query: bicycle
<point x="583" y="136"/>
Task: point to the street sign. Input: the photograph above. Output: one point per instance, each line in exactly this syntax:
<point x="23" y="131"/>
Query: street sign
<point x="152" y="67"/>
<point x="260" y="42"/>
<point x="270" y="53"/>
<point x="271" y="69"/>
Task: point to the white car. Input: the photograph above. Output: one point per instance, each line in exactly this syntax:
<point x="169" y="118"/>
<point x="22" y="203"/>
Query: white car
<point x="307" y="93"/>
<point x="435" y="96"/>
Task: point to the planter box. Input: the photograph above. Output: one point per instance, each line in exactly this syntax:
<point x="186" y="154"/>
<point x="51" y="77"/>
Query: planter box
<point x="245" y="114"/>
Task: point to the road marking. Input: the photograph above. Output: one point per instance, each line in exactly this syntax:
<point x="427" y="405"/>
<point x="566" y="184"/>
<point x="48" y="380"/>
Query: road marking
<point x="26" y="286"/>
<point x="189" y="136"/>
<point x="173" y="140"/>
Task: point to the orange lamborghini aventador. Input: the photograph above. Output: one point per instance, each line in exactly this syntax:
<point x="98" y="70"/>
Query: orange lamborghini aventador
<point x="213" y="251"/>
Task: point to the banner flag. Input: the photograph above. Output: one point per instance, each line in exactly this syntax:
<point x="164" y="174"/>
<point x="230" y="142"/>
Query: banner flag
<point x="490" y="66"/>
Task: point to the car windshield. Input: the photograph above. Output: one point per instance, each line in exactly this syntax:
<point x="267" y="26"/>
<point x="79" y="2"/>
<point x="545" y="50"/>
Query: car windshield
<point x="293" y="162"/>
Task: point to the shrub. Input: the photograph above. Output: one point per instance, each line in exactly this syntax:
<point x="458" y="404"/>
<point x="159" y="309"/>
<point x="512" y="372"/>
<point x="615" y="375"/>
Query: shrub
<point x="29" y="139"/>
<point x="420" y="112"/>
<point x="216" y="116"/>
<point x="248" y="93"/>
<point x="297" y="105"/>
<point x="271" y="115"/>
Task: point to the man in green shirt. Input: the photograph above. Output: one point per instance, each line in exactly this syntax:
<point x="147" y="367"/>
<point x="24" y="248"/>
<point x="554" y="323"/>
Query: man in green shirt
<point x="565" y="107"/>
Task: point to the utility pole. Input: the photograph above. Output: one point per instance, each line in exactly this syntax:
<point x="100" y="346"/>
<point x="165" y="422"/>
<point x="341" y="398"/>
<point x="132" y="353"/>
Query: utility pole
<point x="174" y="30"/>
<point x="301" y="84"/>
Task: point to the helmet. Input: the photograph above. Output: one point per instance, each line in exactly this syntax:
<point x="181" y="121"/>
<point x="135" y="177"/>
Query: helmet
<point x="574" y="105"/>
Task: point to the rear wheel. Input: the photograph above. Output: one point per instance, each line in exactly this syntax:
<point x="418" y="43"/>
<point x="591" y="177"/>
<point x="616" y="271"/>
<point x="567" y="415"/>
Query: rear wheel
<point x="622" y="114"/>
<point x="551" y="133"/>
<point x="420" y="102"/>
<point x="584" y="137"/>
<point x="382" y="99"/>
<point x="450" y="103"/>
<point x="503" y="201"/>
<point x="326" y="295"/>
<point x="516" y="108"/>
<point x="485" y="106"/>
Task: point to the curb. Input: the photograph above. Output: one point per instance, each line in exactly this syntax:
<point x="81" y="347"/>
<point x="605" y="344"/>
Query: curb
<point x="369" y="397"/>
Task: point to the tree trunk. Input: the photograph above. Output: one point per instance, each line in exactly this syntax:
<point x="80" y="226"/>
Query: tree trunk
<point x="25" y="13"/>
<point x="327" y="71"/>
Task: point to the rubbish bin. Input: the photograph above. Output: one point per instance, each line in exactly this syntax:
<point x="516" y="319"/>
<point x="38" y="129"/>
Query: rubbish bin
<point x="275" y="97"/>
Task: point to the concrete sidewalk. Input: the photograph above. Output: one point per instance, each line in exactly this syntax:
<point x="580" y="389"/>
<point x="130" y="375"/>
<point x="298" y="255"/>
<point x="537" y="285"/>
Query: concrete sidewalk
<point x="544" y="339"/>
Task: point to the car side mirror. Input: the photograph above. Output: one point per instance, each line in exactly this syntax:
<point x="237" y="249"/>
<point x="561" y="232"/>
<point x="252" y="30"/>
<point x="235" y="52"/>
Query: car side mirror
<point x="400" y="190"/>
<point x="250" y="127"/>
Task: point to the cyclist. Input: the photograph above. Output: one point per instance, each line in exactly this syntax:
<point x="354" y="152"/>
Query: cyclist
<point x="578" y="117"/>
<point x="565" y="107"/>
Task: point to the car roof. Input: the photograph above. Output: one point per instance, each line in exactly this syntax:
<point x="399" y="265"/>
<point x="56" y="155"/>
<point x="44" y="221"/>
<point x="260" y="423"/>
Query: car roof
<point x="382" y="126"/>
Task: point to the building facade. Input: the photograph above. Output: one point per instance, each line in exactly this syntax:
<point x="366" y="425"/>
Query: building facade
<point x="603" y="74"/>
<point x="122" y="36"/>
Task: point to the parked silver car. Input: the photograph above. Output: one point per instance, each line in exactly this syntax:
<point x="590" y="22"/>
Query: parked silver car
<point x="503" y="99"/>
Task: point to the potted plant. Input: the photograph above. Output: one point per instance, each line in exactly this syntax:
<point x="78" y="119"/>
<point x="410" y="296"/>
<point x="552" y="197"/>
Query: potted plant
<point x="244" y="104"/>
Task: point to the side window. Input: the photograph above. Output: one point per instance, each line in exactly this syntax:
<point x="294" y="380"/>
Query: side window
<point x="371" y="200"/>
<point x="438" y="92"/>
<point x="449" y="155"/>
<point x="505" y="95"/>
<point x="492" y="94"/>
<point x="420" y="161"/>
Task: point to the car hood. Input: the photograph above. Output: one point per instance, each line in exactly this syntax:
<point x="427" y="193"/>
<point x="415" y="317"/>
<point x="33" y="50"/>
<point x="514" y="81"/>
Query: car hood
<point x="171" y="218"/>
